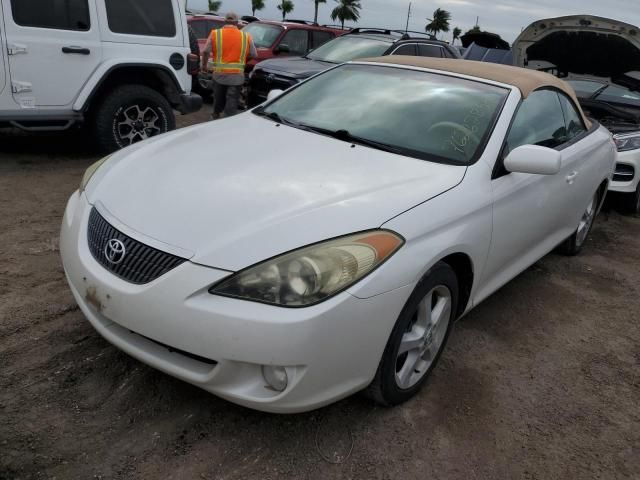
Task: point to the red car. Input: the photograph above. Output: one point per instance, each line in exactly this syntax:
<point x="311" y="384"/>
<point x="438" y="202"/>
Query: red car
<point x="293" y="37"/>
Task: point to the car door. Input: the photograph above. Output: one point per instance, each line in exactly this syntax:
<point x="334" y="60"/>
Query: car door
<point x="580" y="161"/>
<point x="320" y="37"/>
<point x="530" y="211"/>
<point x="3" y="51"/>
<point x="53" y="47"/>
<point x="297" y="40"/>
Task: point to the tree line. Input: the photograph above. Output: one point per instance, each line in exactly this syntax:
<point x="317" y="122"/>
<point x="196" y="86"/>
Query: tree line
<point x="349" y="11"/>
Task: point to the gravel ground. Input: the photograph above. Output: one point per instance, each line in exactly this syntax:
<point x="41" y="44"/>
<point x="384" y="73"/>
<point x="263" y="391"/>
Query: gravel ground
<point x="540" y="382"/>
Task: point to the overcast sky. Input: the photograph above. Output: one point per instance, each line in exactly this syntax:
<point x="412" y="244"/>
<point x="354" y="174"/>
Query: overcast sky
<point x="505" y="17"/>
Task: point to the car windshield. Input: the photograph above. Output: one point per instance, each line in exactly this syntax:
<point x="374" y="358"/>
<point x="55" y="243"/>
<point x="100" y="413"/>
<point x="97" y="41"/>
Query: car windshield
<point x="424" y="115"/>
<point x="262" y="34"/>
<point x="349" y="47"/>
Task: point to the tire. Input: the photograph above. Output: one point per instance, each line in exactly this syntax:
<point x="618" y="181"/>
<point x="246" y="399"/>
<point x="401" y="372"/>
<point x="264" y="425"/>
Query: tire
<point x="129" y="114"/>
<point x="397" y="378"/>
<point x="572" y="246"/>
<point x="631" y="202"/>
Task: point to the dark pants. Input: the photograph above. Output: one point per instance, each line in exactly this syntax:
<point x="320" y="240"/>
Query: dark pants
<point x="225" y="99"/>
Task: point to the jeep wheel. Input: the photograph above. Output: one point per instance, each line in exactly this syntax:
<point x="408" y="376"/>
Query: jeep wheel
<point x="130" y="114"/>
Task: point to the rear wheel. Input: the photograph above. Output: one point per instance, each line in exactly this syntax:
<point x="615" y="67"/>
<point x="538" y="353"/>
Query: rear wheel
<point x="573" y="245"/>
<point x="418" y="338"/>
<point x="130" y="114"/>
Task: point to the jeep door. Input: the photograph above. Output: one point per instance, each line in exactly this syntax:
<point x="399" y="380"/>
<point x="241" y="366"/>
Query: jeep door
<point x="3" y="51"/>
<point x="53" y="48"/>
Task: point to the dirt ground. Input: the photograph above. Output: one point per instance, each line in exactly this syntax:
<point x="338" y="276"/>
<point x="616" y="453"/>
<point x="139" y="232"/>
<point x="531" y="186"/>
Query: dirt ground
<point x="542" y="381"/>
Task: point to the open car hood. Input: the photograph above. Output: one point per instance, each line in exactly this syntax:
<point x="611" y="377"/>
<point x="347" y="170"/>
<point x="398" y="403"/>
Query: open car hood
<point x="579" y="44"/>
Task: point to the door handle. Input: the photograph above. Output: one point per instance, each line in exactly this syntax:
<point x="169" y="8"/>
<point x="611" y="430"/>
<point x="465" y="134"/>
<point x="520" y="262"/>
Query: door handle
<point x="572" y="177"/>
<point x="76" y="50"/>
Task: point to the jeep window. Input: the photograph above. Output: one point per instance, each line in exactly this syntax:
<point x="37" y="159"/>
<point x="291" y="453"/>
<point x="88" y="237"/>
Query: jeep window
<point x="153" y="18"/>
<point x="427" y="50"/>
<point x="539" y="121"/>
<point x="349" y="47"/>
<point x="56" y="14"/>
<point x="444" y="119"/>
<point x="297" y="41"/>
<point x="409" y="49"/>
<point x="262" y="34"/>
<point x="318" y="37"/>
<point x="573" y="119"/>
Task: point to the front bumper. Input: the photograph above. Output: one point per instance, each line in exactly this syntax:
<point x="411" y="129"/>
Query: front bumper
<point x="189" y="103"/>
<point x="631" y="160"/>
<point x="220" y="344"/>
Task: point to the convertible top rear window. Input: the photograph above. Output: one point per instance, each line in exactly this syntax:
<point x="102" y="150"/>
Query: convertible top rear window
<point x="425" y="115"/>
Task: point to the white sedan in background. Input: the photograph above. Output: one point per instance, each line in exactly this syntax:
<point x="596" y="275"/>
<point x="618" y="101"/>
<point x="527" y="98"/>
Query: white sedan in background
<point x="330" y="239"/>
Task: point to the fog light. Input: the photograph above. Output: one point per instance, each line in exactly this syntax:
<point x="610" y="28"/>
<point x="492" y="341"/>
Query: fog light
<point x="276" y="377"/>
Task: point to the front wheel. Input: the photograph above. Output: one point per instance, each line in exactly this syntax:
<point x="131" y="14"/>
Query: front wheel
<point x="130" y="114"/>
<point x="418" y="338"/>
<point x="573" y="245"/>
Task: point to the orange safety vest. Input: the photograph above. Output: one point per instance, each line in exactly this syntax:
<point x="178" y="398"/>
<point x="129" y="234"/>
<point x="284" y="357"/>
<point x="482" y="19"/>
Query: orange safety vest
<point x="230" y="49"/>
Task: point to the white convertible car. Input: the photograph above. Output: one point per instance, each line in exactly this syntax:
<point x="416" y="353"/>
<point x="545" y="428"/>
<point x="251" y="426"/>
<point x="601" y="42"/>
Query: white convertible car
<point x="329" y="240"/>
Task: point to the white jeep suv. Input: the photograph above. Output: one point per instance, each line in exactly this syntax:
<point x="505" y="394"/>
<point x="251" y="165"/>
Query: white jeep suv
<point x="120" y="66"/>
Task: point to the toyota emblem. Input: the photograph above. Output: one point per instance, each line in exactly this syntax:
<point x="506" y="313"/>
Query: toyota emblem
<point x="114" y="251"/>
<point x="270" y="78"/>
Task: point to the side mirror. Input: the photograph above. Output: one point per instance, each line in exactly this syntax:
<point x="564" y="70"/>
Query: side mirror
<point x="273" y="94"/>
<point x="533" y="159"/>
<point x="282" y="48"/>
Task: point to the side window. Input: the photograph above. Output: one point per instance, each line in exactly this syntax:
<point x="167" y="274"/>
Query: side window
<point x="406" y="50"/>
<point x="213" y="25"/>
<point x="319" y="38"/>
<point x="430" y="50"/>
<point x="538" y="121"/>
<point x="297" y="41"/>
<point x="141" y="17"/>
<point x="573" y="119"/>
<point x="57" y="14"/>
<point x="200" y="28"/>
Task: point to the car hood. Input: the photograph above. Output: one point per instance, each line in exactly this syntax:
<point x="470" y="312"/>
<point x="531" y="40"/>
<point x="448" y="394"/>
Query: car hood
<point x="296" y="67"/>
<point x="579" y="44"/>
<point x="234" y="192"/>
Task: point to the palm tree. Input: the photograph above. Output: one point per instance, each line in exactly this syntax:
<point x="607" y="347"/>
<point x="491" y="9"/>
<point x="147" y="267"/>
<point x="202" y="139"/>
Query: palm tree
<point x="318" y="2"/>
<point x="286" y="6"/>
<point x="214" y="5"/>
<point x="346" y="10"/>
<point x="256" y="5"/>
<point x="440" y="22"/>
<point x="456" y="35"/>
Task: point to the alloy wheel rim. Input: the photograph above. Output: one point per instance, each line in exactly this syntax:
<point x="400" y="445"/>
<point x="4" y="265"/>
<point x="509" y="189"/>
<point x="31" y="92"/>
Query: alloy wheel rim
<point x="136" y="123"/>
<point x="586" y="221"/>
<point x="423" y="338"/>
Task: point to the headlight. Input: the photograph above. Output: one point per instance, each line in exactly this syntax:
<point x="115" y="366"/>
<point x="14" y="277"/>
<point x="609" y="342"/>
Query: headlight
<point x="312" y="274"/>
<point x="627" y="141"/>
<point x="90" y="171"/>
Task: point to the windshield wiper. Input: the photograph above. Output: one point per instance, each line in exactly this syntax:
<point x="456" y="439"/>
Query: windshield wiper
<point x="275" y="117"/>
<point x="346" y="136"/>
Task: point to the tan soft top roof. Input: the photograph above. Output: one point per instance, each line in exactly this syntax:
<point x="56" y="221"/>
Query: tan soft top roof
<point x="524" y="79"/>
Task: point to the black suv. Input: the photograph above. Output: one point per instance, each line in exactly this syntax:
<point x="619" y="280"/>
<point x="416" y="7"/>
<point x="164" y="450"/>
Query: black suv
<point x="282" y="73"/>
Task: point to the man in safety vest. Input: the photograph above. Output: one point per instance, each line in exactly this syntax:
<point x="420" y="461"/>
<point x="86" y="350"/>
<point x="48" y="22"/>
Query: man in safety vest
<point x="230" y="48"/>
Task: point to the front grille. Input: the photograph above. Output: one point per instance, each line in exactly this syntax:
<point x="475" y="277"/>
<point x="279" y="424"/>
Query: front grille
<point x="623" y="173"/>
<point x="140" y="263"/>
